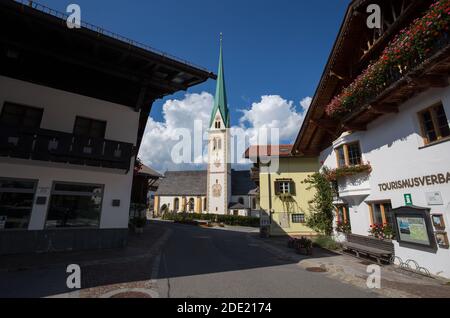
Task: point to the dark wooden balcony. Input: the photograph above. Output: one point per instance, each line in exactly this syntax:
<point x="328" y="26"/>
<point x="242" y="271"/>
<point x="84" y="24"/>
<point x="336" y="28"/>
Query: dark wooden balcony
<point x="55" y="146"/>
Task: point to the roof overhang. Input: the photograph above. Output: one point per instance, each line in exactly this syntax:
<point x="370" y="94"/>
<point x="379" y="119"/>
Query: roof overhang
<point x="346" y="61"/>
<point x="37" y="46"/>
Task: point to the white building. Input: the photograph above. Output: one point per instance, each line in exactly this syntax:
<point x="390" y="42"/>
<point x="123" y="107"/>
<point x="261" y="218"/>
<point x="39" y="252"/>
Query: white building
<point x="73" y="109"/>
<point x="390" y="152"/>
<point x="219" y="190"/>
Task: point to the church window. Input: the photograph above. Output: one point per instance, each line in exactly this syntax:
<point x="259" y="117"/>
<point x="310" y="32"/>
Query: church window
<point x="218" y="124"/>
<point x="215" y="144"/>
<point x="219" y="144"/>
<point x="191" y="204"/>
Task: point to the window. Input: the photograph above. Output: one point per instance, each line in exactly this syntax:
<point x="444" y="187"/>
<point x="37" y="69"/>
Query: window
<point x="241" y="201"/>
<point x="19" y="116"/>
<point x="284" y="187"/>
<point x="340" y="156"/>
<point x="253" y="203"/>
<point x="349" y="155"/>
<point x="89" y="128"/>
<point x="354" y="154"/>
<point x="434" y="124"/>
<point x="75" y="205"/>
<point x="16" y="203"/>
<point x="218" y="124"/>
<point x="342" y="214"/>
<point x="298" y="218"/>
<point x="381" y="213"/>
<point x="176" y="205"/>
<point x="191" y="205"/>
<point x="205" y="203"/>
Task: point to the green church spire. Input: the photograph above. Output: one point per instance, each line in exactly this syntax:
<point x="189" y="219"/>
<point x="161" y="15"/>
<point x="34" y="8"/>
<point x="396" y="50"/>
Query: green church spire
<point x="220" y="101"/>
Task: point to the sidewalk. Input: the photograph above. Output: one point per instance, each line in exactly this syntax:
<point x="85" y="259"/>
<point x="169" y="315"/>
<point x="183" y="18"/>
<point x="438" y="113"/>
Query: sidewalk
<point x="395" y="282"/>
<point x="138" y="247"/>
<point x="119" y="273"/>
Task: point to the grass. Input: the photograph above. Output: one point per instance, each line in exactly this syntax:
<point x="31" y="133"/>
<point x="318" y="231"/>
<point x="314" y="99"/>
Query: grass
<point x="327" y="242"/>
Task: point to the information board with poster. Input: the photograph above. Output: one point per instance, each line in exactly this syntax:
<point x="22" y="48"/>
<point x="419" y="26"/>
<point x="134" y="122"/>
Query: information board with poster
<point x="413" y="226"/>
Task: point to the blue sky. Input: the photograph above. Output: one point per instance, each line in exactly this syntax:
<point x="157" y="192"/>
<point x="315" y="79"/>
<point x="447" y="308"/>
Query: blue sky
<point x="271" y="47"/>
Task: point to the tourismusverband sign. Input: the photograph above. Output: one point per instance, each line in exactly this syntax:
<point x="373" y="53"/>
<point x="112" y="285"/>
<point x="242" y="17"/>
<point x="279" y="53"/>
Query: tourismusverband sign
<point x="431" y="180"/>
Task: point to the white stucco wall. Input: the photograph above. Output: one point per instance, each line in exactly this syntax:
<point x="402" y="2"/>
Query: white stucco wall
<point x="394" y="147"/>
<point x="60" y="111"/>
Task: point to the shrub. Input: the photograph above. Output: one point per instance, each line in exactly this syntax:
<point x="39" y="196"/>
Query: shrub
<point x="139" y="222"/>
<point x="232" y="220"/>
<point x="327" y="242"/>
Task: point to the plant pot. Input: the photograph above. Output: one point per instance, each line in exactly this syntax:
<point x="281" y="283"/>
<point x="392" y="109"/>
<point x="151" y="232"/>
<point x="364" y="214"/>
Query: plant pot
<point x="305" y="251"/>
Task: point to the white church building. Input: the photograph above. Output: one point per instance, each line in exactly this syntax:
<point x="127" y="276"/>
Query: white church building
<point x="219" y="189"/>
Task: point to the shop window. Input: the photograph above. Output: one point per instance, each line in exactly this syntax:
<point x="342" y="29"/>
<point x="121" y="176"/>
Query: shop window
<point x="89" y="128"/>
<point x="20" y="116"/>
<point x="284" y="187"/>
<point x="381" y="213"/>
<point x="349" y="155"/>
<point x="434" y="123"/>
<point x="75" y="206"/>
<point x="16" y="203"/>
<point x="298" y="218"/>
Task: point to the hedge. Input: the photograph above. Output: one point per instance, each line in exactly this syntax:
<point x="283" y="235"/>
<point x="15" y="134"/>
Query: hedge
<point x="225" y="219"/>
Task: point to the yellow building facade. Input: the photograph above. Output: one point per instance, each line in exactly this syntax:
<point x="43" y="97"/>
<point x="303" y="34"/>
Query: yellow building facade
<point x="285" y="197"/>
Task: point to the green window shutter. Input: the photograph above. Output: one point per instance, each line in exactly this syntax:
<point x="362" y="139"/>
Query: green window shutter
<point x="292" y="186"/>
<point x="277" y="188"/>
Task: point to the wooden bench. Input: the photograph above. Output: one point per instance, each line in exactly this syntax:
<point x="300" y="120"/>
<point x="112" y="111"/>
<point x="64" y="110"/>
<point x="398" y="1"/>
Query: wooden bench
<point x="370" y="246"/>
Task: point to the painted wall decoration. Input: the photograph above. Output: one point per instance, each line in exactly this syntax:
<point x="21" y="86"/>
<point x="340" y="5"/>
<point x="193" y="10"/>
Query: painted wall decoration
<point x="217" y="190"/>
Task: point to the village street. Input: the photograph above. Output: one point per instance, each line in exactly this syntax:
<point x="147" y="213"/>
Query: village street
<point x="181" y="261"/>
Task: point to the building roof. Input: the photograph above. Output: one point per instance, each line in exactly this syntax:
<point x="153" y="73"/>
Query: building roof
<point x="146" y="170"/>
<point x="241" y="182"/>
<point x="38" y="47"/>
<point x="183" y="183"/>
<point x="350" y="55"/>
<point x="220" y="101"/>
<point x="237" y="206"/>
<point x="261" y="151"/>
<point x="194" y="183"/>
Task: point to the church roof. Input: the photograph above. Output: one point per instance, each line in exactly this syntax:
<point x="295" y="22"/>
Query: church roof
<point x="193" y="183"/>
<point x="220" y="101"/>
<point x="183" y="183"/>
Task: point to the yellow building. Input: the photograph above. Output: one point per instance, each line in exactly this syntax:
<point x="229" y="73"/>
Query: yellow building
<point x="284" y="196"/>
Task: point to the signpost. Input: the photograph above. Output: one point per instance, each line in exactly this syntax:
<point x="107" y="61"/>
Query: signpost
<point x="408" y="199"/>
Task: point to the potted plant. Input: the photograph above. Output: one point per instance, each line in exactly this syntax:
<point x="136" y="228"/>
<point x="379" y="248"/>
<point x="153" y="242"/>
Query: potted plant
<point x="304" y="246"/>
<point x="139" y="224"/>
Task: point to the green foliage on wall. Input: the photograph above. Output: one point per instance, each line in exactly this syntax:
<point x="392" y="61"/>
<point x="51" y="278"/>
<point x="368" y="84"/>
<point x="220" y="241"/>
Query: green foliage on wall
<point x="321" y="206"/>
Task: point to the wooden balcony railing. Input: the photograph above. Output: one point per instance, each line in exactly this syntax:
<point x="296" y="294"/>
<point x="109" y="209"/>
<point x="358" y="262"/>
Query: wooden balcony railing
<point x="55" y="146"/>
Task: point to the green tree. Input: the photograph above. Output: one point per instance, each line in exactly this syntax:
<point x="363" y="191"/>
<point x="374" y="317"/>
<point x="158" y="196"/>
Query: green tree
<point x="321" y="206"/>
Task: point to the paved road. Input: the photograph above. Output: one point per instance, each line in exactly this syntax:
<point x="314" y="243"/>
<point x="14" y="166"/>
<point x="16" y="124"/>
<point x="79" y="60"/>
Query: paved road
<point x="197" y="263"/>
<point x="189" y="262"/>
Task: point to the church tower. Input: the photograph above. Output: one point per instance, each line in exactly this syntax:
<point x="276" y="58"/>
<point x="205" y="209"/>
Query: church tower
<point x="219" y="166"/>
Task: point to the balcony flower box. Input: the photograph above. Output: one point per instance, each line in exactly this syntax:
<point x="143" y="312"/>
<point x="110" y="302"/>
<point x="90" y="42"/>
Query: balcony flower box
<point x="347" y="171"/>
<point x="409" y="49"/>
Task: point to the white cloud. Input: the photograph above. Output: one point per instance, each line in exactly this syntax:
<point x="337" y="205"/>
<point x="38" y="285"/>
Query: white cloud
<point x="306" y="102"/>
<point x="160" y="137"/>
